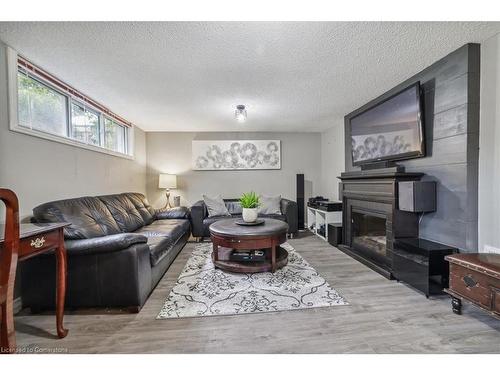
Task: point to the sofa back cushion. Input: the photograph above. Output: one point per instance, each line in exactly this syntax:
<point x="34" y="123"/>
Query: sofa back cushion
<point x="142" y="205"/>
<point x="124" y="212"/>
<point x="270" y="205"/>
<point x="89" y="217"/>
<point x="215" y="206"/>
<point x="233" y="206"/>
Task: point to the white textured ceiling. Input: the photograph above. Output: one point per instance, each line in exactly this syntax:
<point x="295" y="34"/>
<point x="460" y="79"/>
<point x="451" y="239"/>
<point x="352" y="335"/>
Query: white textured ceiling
<point x="189" y="76"/>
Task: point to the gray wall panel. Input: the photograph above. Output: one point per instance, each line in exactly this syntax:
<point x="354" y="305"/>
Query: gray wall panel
<point x="451" y="150"/>
<point x="452" y="205"/>
<point x="450" y="122"/>
<point x="450" y="94"/>
<point x="452" y="177"/>
<point x="450" y="232"/>
<point x="451" y="115"/>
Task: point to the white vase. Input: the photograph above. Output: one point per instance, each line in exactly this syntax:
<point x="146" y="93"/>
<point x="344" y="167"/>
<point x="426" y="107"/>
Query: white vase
<point x="249" y="215"/>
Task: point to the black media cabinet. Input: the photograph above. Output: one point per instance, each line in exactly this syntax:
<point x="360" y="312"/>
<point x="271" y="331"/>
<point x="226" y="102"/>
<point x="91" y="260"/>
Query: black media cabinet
<point x="420" y="263"/>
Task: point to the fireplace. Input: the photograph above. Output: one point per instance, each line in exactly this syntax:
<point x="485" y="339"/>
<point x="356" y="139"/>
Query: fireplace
<point x="371" y="218"/>
<point x="369" y="235"/>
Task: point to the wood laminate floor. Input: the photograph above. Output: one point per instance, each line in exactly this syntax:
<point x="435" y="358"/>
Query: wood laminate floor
<point x="383" y="317"/>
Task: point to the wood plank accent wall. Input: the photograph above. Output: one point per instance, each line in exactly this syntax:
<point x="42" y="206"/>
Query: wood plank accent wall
<point x="451" y="113"/>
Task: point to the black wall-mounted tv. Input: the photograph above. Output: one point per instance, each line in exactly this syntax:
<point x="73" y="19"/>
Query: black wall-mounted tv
<point x="389" y="130"/>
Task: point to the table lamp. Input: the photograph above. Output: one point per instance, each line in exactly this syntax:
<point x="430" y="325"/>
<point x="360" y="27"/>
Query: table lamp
<point x="167" y="181"/>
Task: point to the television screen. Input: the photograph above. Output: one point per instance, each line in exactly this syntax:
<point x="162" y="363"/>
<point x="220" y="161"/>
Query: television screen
<point x="391" y="130"/>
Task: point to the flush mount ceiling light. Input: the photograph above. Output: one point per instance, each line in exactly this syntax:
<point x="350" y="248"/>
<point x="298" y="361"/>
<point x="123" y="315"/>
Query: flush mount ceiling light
<point x="241" y="113"/>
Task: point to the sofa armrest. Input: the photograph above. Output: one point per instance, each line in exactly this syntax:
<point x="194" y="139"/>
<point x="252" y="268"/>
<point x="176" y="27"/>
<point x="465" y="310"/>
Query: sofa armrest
<point x="105" y="244"/>
<point x="172" y="213"/>
<point x="198" y="214"/>
<point x="290" y="210"/>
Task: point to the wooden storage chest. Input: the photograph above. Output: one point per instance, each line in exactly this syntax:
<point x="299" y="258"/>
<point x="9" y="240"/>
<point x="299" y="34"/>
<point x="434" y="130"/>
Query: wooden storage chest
<point x="475" y="278"/>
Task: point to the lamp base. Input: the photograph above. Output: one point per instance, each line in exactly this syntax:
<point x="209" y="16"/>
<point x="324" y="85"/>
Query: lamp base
<point x="168" y="205"/>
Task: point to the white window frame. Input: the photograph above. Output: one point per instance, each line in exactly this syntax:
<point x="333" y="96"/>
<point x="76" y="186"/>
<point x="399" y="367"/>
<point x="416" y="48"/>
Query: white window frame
<point x="89" y="109"/>
<point x="103" y="130"/>
<point x="14" y="125"/>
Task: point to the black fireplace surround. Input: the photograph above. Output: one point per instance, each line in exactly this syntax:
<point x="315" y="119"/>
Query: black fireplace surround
<point x="371" y="218"/>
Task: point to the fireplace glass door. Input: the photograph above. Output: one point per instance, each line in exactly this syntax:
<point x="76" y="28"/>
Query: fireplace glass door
<point x="369" y="235"/>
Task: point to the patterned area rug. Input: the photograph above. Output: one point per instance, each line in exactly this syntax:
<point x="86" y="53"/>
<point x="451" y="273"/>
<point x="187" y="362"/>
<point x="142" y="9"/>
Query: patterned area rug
<point x="203" y="290"/>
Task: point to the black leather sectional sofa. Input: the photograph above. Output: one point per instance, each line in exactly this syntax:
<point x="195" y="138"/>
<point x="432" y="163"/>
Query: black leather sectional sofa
<point x="118" y="248"/>
<point x="200" y="220"/>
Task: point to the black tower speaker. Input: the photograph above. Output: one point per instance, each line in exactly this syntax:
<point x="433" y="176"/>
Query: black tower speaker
<point x="300" y="200"/>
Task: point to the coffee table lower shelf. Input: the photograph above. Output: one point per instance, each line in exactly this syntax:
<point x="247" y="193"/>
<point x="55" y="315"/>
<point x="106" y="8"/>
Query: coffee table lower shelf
<point x="225" y="264"/>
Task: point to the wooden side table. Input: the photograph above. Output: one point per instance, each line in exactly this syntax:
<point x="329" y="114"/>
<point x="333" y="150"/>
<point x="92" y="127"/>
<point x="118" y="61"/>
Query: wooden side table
<point x="36" y="239"/>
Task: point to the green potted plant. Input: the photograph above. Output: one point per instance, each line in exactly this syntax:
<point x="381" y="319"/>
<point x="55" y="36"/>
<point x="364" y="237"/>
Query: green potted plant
<point x="249" y="203"/>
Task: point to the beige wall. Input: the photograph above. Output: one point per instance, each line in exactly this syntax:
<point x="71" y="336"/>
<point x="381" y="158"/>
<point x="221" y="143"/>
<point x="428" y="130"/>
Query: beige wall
<point x="332" y="159"/>
<point x="489" y="146"/>
<point x="170" y="152"/>
<point x="39" y="170"/>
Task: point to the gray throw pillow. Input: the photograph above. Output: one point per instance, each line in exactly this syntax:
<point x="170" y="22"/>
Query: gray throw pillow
<point x="270" y="205"/>
<point x="216" y="206"/>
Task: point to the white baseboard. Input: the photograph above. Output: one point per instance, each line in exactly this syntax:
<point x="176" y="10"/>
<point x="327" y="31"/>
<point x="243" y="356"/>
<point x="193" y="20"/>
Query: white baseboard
<point x="490" y="249"/>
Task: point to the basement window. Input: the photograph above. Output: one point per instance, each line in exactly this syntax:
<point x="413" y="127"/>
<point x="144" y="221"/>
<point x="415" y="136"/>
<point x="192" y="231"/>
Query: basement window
<point x="85" y="125"/>
<point x="41" y="107"/>
<point x="44" y="106"/>
<point x="115" y="136"/>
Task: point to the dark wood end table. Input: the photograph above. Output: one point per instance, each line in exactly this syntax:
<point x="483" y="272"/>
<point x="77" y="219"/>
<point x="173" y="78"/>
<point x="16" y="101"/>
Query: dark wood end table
<point x="36" y="239"/>
<point x="227" y="236"/>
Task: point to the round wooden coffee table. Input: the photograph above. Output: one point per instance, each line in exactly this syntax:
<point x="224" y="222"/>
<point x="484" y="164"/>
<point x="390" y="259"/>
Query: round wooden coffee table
<point x="227" y="236"/>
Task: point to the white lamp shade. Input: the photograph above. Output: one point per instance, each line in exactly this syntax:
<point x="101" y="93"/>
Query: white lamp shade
<point x="167" y="181"/>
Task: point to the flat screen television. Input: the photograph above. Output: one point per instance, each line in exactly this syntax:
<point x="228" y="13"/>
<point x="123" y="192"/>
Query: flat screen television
<point x="389" y="130"/>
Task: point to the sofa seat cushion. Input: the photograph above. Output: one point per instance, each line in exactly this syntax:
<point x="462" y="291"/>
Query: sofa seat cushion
<point x="104" y="244"/>
<point x="124" y="212"/>
<point x="89" y="217"/>
<point x="210" y="220"/>
<point x="273" y="216"/>
<point x="162" y="235"/>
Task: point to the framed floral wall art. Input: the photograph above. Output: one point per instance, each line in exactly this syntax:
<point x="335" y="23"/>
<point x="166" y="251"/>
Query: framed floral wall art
<point x="230" y="155"/>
